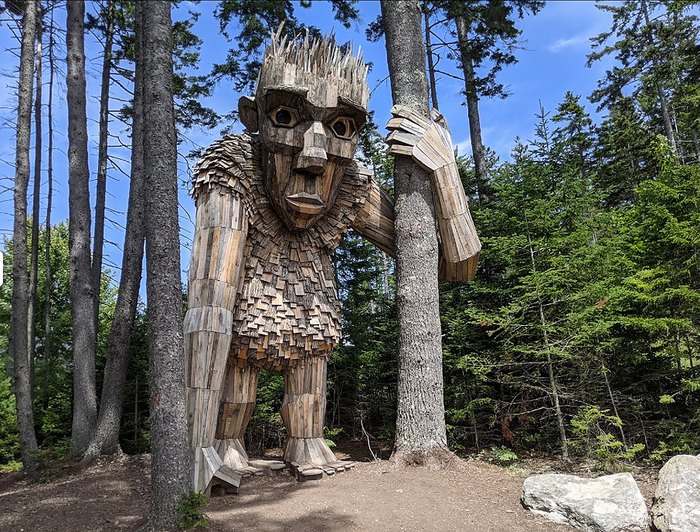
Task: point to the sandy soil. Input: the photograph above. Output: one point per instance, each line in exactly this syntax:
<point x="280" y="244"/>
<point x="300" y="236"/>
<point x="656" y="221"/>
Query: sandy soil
<point x="114" y="495"/>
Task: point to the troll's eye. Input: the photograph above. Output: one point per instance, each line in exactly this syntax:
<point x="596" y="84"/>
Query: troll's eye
<point x="284" y="117"/>
<point x="344" y="127"/>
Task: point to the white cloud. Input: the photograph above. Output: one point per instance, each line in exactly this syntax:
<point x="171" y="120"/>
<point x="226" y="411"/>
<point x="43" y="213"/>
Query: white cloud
<point x="577" y="41"/>
<point x="464" y="147"/>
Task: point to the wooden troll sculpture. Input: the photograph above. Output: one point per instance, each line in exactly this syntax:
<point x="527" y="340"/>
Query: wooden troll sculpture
<point x="272" y="205"/>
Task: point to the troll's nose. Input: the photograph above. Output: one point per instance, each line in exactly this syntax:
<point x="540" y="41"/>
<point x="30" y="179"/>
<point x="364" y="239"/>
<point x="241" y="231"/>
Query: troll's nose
<point x="312" y="158"/>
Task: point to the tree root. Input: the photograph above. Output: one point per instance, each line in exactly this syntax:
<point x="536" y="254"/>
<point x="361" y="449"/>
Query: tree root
<point x="437" y="458"/>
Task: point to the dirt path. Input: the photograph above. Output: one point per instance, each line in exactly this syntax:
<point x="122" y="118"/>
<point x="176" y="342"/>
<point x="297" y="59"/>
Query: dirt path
<point x="472" y="497"/>
<point x="114" y="495"/>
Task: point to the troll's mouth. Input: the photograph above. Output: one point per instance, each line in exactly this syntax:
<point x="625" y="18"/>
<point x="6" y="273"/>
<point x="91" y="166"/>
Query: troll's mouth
<point x="306" y="203"/>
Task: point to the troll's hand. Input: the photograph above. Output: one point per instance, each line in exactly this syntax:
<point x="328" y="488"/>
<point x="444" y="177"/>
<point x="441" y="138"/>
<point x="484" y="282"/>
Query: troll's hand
<point x="427" y="142"/>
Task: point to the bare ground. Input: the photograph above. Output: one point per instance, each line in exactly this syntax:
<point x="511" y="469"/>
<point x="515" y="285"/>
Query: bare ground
<point x="113" y="494"/>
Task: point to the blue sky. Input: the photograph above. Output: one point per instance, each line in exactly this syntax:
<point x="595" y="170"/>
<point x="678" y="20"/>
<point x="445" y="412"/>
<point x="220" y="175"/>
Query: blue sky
<point x="552" y="60"/>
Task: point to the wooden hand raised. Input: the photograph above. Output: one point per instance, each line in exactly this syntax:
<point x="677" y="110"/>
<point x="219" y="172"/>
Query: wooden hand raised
<point x="429" y="143"/>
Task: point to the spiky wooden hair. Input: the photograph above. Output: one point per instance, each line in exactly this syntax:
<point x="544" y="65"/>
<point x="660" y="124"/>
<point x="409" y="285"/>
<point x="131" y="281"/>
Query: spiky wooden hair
<point x="309" y="60"/>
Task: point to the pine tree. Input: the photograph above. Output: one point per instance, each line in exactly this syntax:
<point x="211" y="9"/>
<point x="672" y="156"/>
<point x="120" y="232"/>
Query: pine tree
<point x="84" y="387"/>
<point x="19" y="341"/>
<point x="170" y="467"/>
<point x="420" y="418"/>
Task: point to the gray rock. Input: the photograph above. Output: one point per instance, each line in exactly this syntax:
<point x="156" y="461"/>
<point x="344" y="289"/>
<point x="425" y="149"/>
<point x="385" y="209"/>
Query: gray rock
<point x="676" y="505"/>
<point x="611" y="503"/>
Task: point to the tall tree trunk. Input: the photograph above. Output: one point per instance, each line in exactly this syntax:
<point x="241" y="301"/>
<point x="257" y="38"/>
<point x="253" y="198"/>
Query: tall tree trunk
<point x="420" y="419"/>
<point x="81" y="289"/>
<point x="102" y="155"/>
<point x="553" y="389"/>
<point x="429" y="55"/>
<point x="663" y="103"/>
<point x="47" y="236"/>
<point x="36" y="206"/>
<point x="20" y="283"/>
<point x="106" y="438"/>
<point x="604" y="372"/>
<point x="48" y="288"/>
<point x="170" y="458"/>
<point x="480" y="166"/>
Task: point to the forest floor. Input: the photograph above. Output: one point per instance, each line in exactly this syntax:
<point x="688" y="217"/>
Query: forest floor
<point x="113" y="494"/>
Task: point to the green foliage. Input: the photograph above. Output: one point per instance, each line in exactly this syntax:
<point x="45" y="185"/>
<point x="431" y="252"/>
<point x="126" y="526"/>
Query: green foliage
<point x="9" y="436"/>
<point x="501" y="455"/>
<point x="679" y="444"/>
<point x="330" y="435"/>
<point x="266" y="428"/>
<point x="11" y="466"/>
<point x="362" y="370"/>
<point x="53" y="378"/>
<point x="134" y="434"/>
<point x="590" y="429"/>
<point x="191" y="510"/>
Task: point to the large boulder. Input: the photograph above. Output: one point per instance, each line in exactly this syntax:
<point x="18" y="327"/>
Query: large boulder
<point x="676" y="505"/>
<point x="611" y="503"/>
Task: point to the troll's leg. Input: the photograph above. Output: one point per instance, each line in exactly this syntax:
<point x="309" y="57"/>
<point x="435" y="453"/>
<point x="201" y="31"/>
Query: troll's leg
<point x="303" y="413"/>
<point x="206" y="352"/>
<point x="237" y="405"/>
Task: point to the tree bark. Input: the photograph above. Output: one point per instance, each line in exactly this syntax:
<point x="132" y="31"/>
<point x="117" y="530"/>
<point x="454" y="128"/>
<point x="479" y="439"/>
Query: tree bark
<point x="101" y="190"/>
<point x="106" y="438"/>
<point x="429" y="55"/>
<point x="480" y="166"/>
<point x="81" y="289"/>
<point x="36" y="206"/>
<point x="47" y="231"/>
<point x="420" y="421"/>
<point x="553" y="388"/>
<point x="20" y="283"/>
<point x="663" y="103"/>
<point x="169" y="447"/>
<point x="604" y="372"/>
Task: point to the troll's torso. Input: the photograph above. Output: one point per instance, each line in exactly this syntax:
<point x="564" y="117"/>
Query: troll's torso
<point x="287" y="304"/>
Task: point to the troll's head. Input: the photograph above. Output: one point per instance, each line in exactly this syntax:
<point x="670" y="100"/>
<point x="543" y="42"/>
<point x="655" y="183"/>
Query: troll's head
<point x="310" y="102"/>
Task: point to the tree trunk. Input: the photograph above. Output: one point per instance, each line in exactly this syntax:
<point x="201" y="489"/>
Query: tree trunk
<point x="169" y="447"/>
<point x="101" y="191"/>
<point x="47" y="236"/>
<point x="106" y="438"/>
<point x="550" y="362"/>
<point x="604" y="372"/>
<point x="36" y="207"/>
<point x="81" y="289"/>
<point x="480" y="166"/>
<point x="420" y="419"/>
<point x="429" y="55"/>
<point x="663" y="103"/>
<point x="696" y="145"/>
<point x="20" y="282"/>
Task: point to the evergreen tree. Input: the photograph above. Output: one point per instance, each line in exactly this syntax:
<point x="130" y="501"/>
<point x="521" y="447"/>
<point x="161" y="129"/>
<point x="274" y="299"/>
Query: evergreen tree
<point x="170" y="469"/>
<point x="420" y="418"/>
<point x="654" y="45"/>
<point x="19" y="341"/>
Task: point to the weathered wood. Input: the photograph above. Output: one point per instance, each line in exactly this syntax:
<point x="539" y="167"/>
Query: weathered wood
<point x="430" y="144"/>
<point x="375" y="221"/>
<point x="271" y="207"/>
